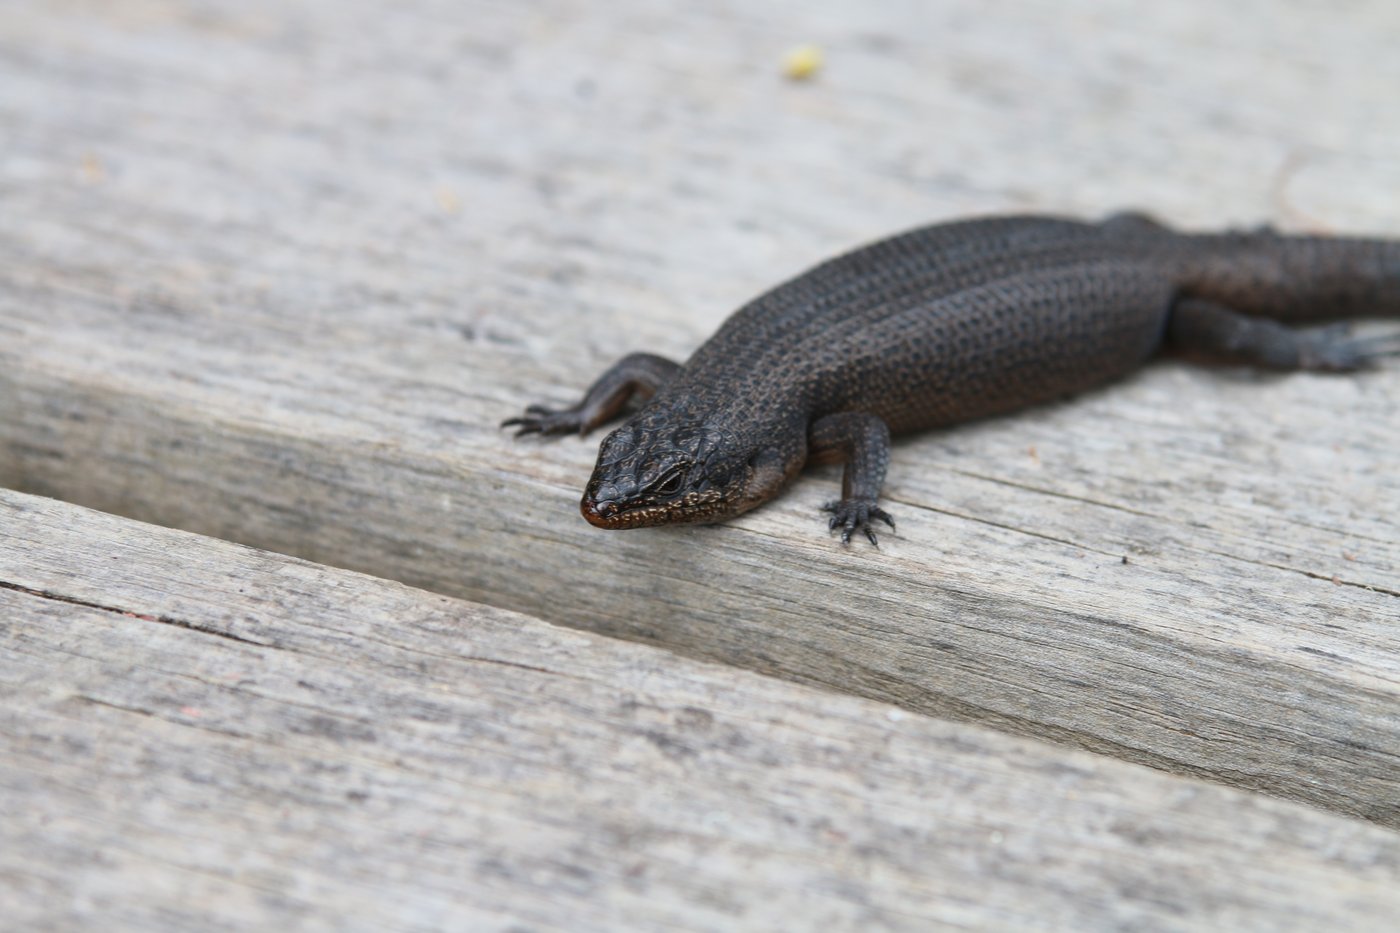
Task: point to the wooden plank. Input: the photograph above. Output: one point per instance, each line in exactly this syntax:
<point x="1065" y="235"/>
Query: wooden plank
<point x="199" y="735"/>
<point x="274" y="276"/>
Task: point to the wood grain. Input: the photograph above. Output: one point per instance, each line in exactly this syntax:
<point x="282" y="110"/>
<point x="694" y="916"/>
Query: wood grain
<point x="202" y="735"/>
<point x="274" y="273"/>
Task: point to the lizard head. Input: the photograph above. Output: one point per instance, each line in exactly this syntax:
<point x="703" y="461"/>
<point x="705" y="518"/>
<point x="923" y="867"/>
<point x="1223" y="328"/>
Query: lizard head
<point x="654" y="471"/>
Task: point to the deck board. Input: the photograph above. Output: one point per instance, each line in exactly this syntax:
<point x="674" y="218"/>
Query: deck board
<point x="199" y="734"/>
<point x="273" y="273"/>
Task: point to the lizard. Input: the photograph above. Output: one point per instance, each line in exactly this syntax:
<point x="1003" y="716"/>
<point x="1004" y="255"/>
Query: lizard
<point x="948" y="323"/>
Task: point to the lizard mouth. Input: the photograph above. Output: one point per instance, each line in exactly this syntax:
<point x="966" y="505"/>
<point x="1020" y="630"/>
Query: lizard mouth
<point x="607" y="513"/>
<point x="610" y="513"/>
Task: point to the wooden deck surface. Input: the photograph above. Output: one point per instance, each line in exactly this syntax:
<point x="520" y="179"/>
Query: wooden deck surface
<point x="273" y="273"/>
<point x="204" y="735"/>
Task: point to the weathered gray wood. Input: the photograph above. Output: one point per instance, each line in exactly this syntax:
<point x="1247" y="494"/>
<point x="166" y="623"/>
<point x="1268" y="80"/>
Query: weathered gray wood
<point x="274" y="273"/>
<point x="198" y="735"/>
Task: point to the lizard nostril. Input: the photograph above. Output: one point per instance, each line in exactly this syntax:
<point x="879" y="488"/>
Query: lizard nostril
<point x="598" y="512"/>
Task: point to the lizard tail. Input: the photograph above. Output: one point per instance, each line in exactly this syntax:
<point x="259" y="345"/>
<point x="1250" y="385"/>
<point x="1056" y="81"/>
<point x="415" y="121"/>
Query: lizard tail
<point x="1296" y="279"/>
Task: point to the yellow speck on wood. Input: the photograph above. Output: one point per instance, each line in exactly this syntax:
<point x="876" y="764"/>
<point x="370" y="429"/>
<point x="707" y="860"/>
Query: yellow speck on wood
<point x="802" y="62"/>
<point x="448" y="201"/>
<point x="93" y="171"/>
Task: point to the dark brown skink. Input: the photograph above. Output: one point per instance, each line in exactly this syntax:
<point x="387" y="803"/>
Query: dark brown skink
<point x="948" y="323"/>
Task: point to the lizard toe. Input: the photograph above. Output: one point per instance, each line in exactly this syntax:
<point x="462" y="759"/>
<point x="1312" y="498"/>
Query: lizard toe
<point x="854" y="514"/>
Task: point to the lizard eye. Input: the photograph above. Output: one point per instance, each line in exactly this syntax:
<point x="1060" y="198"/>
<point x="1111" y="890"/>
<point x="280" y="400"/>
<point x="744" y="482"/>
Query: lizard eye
<point x="670" y="485"/>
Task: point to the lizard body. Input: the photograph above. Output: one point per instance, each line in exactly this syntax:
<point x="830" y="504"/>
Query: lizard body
<point x="949" y="323"/>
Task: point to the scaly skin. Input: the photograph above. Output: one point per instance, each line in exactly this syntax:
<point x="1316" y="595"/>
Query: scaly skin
<point x="948" y="323"/>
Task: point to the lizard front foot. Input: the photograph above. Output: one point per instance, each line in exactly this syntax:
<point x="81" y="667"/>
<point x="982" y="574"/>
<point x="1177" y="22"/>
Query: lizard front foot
<point x="541" y="420"/>
<point x="855" y="514"/>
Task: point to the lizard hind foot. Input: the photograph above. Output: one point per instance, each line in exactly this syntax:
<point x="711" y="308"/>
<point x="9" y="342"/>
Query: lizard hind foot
<point x="1334" y="348"/>
<point x="851" y="515"/>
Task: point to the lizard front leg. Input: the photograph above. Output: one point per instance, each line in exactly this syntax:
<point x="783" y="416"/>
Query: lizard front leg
<point x="636" y="375"/>
<point x="862" y="442"/>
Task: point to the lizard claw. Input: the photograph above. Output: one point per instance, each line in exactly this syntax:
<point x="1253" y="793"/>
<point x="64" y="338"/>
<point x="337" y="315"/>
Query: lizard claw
<point x="852" y="515"/>
<point x="541" y="420"/>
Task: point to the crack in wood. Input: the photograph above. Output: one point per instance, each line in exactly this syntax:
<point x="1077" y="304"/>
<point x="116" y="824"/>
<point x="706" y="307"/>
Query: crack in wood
<point x="1312" y="574"/>
<point x="1316" y="575"/>
<point x="1087" y="548"/>
<point x="145" y="617"/>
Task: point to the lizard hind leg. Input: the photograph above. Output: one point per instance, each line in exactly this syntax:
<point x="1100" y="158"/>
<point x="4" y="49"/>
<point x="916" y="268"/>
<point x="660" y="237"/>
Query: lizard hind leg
<point x="1203" y="329"/>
